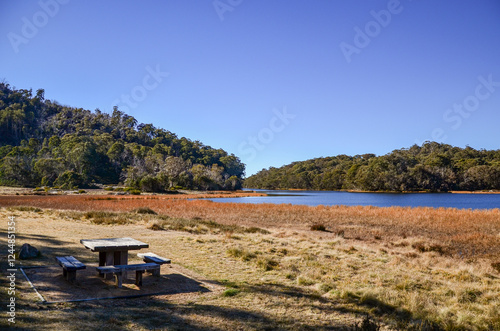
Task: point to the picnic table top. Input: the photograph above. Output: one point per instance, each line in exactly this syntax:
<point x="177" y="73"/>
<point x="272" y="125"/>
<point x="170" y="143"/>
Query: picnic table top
<point x="113" y="244"/>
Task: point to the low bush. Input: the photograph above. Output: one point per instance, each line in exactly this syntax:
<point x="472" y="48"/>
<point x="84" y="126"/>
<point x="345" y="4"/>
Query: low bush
<point x="156" y="226"/>
<point x="242" y="254"/>
<point x="424" y="247"/>
<point x="26" y="208"/>
<point x="107" y="218"/>
<point x="266" y="263"/>
<point x="144" y="210"/>
<point x="318" y="227"/>
<point x="301" y="280"/>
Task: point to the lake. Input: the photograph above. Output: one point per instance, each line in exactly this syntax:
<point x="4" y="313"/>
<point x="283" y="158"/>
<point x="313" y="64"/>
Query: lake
<point x="329" y="198"/>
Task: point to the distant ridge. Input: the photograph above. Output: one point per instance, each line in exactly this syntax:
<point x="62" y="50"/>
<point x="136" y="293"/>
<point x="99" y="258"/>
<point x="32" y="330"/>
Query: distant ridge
<point x="432" y="167"/>
<point x="43" y="143"/>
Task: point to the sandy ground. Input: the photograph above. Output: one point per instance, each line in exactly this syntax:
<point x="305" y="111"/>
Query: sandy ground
<point x="56" y="237"/>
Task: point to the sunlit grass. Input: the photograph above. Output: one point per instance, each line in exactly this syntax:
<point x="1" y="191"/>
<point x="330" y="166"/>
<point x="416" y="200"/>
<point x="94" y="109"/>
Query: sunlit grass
<point x="466" y="234"/>
<point x="419" y="268"/>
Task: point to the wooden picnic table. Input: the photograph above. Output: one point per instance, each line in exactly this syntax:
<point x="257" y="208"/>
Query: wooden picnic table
<point x="113" y="251"/>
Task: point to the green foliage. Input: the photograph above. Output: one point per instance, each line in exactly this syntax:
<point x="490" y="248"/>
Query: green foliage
<point x="69" y="180"/>
<point x="230" y="292"/>
<point x="432" y="167"/>
<point x="43" y="143"/>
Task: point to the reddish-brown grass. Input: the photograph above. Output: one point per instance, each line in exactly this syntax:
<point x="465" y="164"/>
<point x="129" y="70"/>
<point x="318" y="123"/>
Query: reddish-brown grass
<point x="461" y="233"/>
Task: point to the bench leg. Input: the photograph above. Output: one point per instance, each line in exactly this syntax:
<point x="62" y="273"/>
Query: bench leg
<point x="156" y="271"/>
<point x="138" y="277"/>
<point x="118" y="279"/>
<point x="65" y="273"/>
<point x="71" y="276"/>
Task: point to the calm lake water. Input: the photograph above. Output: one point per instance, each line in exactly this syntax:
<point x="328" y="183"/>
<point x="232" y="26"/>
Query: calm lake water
<point x="328" y="198"/>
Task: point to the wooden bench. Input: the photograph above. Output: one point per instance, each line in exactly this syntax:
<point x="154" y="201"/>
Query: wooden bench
<point x="117" y="271"/>
<point x="70" y="266"/>
<point x="153" y="258"/>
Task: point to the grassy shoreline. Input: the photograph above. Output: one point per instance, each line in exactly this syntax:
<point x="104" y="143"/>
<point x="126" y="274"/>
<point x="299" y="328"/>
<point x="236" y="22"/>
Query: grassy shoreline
<point x="403" y="267"/>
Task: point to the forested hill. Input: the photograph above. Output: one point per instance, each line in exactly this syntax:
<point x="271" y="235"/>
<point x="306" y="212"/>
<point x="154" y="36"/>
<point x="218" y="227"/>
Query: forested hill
<point x="43" y="143"/>
<point x="431" y="167"/>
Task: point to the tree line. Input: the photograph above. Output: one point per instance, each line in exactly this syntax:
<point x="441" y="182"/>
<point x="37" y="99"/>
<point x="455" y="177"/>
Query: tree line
<point x="432" y="167"/>
<point x="43" y="143"/>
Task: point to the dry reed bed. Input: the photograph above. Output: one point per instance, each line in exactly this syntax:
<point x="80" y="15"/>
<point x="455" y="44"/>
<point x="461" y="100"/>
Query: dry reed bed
<point x="462" y="233"/>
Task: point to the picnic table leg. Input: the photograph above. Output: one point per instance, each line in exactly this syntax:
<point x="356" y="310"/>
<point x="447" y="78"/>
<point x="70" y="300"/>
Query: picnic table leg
<point x="102" y="261"/>
<point x="121" y="258"/>
<point x="109" y="261"/>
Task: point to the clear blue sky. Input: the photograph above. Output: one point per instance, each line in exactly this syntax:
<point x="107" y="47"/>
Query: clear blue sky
<point x="272" y="81"/>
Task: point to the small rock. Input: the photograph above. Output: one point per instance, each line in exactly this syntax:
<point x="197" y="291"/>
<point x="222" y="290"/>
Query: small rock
<point x="28" y="252"/>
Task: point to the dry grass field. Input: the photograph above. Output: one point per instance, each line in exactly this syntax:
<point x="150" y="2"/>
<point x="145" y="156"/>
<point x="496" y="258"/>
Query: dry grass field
<point x="405" y="268"/>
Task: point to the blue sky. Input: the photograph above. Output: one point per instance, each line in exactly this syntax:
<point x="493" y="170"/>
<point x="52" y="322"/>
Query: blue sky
<point x="272" y="81"/>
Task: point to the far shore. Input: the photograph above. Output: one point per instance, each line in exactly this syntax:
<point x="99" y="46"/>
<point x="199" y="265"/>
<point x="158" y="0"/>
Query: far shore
<point x="362" y="191"/>
<point x="194" y="194"/>
<point x="178" y="194"/>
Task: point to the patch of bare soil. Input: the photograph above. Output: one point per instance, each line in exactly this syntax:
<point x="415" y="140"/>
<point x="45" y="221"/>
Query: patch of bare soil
<point x="52" y="286"/>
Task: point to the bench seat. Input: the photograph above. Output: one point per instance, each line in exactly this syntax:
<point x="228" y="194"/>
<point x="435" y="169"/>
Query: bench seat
<point x="70" y="265"/>
<point x="153" y="258"/>
<point x="117" y="271"/>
